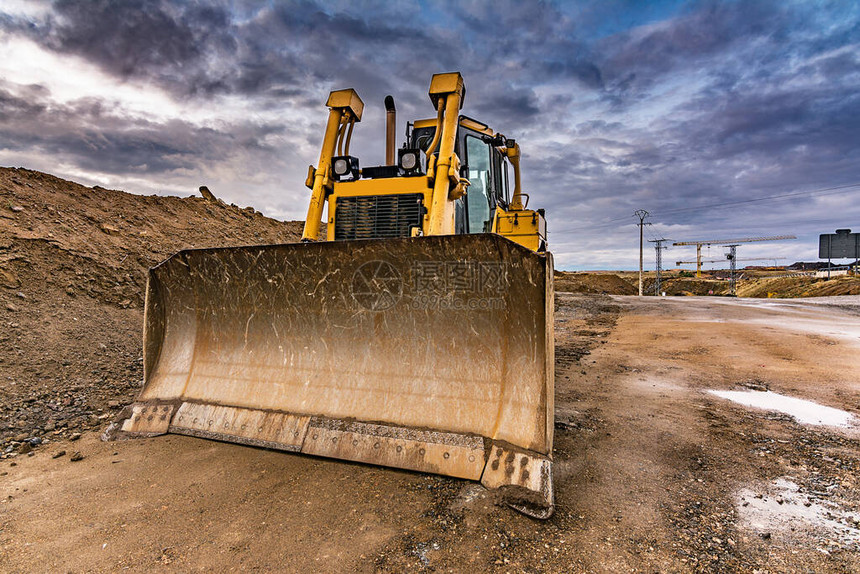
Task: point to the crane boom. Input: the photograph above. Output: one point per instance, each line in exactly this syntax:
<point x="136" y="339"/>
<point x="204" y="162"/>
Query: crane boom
<point x="699" y="244"/>
<point x="723" y="259"/>
<point x="742" y="240"/>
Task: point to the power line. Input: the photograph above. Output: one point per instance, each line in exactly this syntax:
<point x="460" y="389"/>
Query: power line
<point x="820" y="192"/>
<point x="832" y="190"/>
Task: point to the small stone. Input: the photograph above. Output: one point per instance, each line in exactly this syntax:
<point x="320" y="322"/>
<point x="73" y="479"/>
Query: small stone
<point x="17" y="208"/>
<point x="76" y="457"/>
<point x="114" y="404"/>
<point x="75" y="436"/>
<point x="59" y="454"/>
<point x="11" y="307"/>
<point x="25" y="448"/>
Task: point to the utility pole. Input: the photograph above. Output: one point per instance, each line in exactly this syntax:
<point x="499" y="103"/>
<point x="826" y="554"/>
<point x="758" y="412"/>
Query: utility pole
<point x="658" y="245"/>
<point x="641" y="214"/>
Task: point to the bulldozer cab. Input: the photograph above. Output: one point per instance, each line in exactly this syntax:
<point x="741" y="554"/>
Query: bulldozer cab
<point x="412" y="328"/>
<point x="485" y="167"/>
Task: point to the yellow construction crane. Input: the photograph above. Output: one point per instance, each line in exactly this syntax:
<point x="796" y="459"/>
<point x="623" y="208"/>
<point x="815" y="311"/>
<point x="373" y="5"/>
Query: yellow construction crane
<point x="699" y="244"/>
<point x="724" y="259"/>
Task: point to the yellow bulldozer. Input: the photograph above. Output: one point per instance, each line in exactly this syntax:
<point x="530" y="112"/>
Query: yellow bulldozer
<point x="416" y="334"/>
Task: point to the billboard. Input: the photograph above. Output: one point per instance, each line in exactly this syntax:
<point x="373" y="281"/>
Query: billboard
<point x="840" y="245"/>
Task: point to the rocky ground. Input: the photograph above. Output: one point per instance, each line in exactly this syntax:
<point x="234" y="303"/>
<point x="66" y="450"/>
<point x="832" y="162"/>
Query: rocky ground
<point x="653" y="472"/>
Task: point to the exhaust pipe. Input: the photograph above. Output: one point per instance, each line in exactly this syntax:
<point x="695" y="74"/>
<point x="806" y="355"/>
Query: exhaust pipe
<point x="390" y="125"/>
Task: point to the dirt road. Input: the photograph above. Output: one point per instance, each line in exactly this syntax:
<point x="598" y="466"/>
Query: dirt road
<point x="653" y="473"/>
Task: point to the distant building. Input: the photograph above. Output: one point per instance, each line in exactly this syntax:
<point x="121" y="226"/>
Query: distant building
<point x="807" y="266"/>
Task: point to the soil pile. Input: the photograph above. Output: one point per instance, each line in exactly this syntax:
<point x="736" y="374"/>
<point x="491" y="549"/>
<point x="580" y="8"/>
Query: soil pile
<point x="73" y="264"/>
<point x="799" y="287"/>
<point x="748" y="285"/>
<point x="594" y="283"/>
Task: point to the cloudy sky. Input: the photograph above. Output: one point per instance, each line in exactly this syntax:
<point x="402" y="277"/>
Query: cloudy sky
<point x="722" y="119"/>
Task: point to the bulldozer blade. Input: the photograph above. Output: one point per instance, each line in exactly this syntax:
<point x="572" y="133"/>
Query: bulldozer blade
<point x="433" y="354"/>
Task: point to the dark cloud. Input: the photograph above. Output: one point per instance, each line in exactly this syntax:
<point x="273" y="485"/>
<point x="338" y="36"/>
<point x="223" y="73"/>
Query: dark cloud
<point x="617" y="105"/>
<point x="512" y="106"/>
<point x="99" y="138"/>
<point x="170" y="43"/>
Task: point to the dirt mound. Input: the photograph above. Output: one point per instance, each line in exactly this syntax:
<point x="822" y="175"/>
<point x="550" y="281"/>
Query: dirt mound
<point x="748" y="285"/>
<point x="783" y="287"/>
<point x="73" y="263"/>
<point x="601" y="283"/>
<point x="690" y="286"/>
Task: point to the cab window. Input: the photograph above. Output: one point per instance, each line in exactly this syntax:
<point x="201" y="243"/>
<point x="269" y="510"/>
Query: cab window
<point x="478" y="193"/>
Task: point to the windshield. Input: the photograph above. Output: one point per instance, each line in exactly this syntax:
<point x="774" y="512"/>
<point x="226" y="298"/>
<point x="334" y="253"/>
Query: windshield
<point x="477" y="195"/>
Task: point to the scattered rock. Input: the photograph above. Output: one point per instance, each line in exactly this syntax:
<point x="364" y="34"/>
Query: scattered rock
<point x="109" y="229"/>
<point x="17" y="208"/>
<point x="8" y="279"/>
<point x="75" y="436"/>
<point x="208" y="195"/>
<point x="59" y="454"/>
<point x="755" y="385"/>
<point x="76" y="457"/>
<point x="11" y="307"/>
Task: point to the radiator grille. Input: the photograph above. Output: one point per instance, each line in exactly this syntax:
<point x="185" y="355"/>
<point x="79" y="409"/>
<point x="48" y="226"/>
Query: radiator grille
<point x="374" y="216"/>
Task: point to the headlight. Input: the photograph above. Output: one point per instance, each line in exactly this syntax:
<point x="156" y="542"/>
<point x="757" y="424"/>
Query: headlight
<point x="409" y="160"/>
<point x="344" y="168"/>
<point x="341" y="166"/>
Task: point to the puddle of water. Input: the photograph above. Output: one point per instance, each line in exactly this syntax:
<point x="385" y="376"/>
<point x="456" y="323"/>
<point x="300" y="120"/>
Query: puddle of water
<point x="805" y="412"/>
<point x="784" y="508"/>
